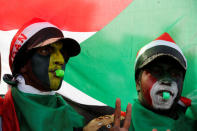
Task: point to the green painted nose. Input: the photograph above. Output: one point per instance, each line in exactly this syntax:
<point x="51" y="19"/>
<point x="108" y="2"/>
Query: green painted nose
<point x="59" y="73"/>
<point x="166" y="95"/>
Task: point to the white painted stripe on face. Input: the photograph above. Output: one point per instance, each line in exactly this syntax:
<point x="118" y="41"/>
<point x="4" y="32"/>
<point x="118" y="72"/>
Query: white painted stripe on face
<point x="157" y="99"/>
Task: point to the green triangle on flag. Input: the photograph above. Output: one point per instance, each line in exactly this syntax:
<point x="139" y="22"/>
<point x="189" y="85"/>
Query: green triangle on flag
<point x="105" y="67"/>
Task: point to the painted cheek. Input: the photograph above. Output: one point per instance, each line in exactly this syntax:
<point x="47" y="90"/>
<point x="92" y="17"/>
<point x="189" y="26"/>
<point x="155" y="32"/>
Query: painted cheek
<point x="180" y="86"/>
<point x="147" y="85"/>
<point x="56" y="62"/>
<point x="40" y="66"/>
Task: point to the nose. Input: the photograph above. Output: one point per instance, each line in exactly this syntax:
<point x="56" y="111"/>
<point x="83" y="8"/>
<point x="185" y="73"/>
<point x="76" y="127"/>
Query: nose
<point x="166" y="82"/>
<point x="57" y="58"/>
<point x="59" y="63"/>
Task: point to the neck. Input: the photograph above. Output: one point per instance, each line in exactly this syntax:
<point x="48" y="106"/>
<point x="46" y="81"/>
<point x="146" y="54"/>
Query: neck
<point x="23" y="87"/>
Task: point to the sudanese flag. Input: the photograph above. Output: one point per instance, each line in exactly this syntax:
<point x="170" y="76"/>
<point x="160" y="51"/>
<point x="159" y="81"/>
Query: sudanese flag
<point x="104" y="70"/>
<point x="105" y="67"/>
<point x="70" y="15"/>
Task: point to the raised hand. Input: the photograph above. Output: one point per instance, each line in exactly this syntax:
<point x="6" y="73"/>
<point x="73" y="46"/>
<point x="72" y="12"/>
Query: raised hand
<point x="117" y="116"/>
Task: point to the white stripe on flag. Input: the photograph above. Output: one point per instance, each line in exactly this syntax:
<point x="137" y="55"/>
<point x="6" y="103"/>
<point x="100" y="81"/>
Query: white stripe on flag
<point x="78" y="96"/>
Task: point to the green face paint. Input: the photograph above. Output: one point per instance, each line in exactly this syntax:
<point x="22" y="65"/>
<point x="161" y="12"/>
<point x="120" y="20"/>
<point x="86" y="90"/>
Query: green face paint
<point x="166" y="95"/>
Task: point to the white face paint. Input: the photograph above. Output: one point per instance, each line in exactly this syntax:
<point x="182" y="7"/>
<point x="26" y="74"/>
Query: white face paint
<point x="156" y="94"/>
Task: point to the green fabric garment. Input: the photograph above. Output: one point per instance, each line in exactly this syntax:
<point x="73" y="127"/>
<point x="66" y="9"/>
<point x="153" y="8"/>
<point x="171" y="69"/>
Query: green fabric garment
<point x="146" y="120"/>
<point x="44" y="112"/>
<point x="192" y="110"/>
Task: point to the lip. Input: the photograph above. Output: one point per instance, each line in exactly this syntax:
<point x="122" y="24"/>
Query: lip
<point x="53" y="72"/>
<point x="160" y="92"/>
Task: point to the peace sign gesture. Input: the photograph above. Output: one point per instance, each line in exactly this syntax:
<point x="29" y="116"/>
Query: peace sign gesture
<point x="117" y="115"/>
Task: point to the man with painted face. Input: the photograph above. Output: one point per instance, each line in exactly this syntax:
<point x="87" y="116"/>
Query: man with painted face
<point x="160" y="69"/>
<point x="38" y="55"/>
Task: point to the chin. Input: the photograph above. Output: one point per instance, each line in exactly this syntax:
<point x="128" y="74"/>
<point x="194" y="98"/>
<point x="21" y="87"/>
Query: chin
<point x="165" y="109"/>
<point x="56" y="86"/>
<point x="164" y="105"/>
<point x="54" y="82"/>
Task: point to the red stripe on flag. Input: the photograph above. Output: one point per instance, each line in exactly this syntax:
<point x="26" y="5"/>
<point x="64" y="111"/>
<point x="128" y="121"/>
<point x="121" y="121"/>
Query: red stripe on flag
<point x="72" y="15"/>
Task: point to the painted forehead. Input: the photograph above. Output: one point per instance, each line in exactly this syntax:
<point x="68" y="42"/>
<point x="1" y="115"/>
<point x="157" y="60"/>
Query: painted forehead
<point x="167" y="61"/>
<point x="57" y="45"/>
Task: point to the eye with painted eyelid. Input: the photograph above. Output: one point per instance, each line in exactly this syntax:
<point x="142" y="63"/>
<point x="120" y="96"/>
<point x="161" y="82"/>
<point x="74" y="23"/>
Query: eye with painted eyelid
<point x="176" y="73"/>
<point x="45" y="50"/>
<point x="155" y="71"/>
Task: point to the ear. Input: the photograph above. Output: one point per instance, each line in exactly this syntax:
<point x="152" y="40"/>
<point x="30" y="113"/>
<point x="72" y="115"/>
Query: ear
<point x="25" y="68"/>
<point x="137" y="85"/>
<point x="138" y="81"/>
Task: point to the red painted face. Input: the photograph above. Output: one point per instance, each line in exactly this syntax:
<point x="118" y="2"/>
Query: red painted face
<point x="147" y="81"/>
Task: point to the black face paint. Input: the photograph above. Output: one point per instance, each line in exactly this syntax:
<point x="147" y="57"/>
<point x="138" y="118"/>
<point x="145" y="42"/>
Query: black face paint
<point x="40" y="66"/>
